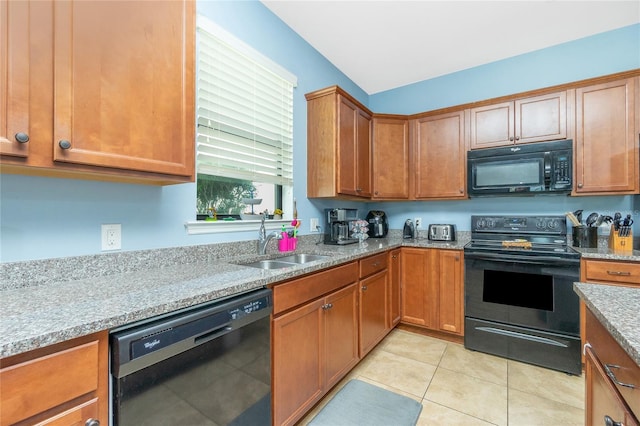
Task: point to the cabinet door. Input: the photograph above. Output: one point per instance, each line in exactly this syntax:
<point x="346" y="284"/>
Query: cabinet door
<point x="394" y="287"/>
<point x="492" y="125"/>
<point x="541" y="118"/>
<point x="450" y="294"/>
<point x="15" y="25"/>
<point x="413" y="285"/>
<point x="390" y="158"/>
<point x="363" y="154"/>
<point x="297" y="352"/>
<point x="606" y="150"/>
<point x="440" y="154"/>
<point x="373" y="311"/>
<point x="340" y="334"/>
<point x="124" y="93"/>
<point x="602" y="399"/>
<point x="347" y="147"/>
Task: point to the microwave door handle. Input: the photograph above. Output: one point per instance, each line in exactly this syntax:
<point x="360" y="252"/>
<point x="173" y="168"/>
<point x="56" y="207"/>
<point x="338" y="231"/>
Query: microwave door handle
<point x="548" y="158"/>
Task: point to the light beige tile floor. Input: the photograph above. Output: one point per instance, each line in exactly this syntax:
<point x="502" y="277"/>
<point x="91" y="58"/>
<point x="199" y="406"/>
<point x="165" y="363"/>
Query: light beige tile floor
<point x="461" y="387"/>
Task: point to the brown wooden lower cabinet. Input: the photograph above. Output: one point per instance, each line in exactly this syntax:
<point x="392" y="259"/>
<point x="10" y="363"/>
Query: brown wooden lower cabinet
<point x="432" y="289"/>
<point x="373" y="302"/>
<point x="313" y="346"/>
<point x="61" y="384"/>
<point x="607" y="403"/>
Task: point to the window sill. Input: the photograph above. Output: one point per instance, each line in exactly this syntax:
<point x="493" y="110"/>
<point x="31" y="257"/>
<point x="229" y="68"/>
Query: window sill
<point x="222" y="226"/>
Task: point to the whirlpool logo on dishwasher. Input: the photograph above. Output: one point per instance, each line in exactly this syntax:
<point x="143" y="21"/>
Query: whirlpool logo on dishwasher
<point x="152" y="344"/>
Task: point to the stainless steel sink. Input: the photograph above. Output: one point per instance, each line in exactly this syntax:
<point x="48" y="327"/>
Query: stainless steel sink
<point x="302" y="258"/>
<point x="285" y="261"/>
<point x="269" y="264"/>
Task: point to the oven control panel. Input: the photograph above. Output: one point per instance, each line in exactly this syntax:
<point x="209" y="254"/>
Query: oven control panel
<point x="519" y="224"/>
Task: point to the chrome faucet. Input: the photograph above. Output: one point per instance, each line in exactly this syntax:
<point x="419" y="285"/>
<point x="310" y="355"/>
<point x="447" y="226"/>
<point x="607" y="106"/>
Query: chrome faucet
<point x="263" y="238"/>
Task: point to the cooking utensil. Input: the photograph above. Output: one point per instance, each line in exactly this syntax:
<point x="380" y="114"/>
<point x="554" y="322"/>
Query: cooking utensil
<point x="573" y="219"/>
<point x="578" y="215"/>
<point x="625" y="228"/>
<point x="616" y="220"/>
<point x="592" y="218"/>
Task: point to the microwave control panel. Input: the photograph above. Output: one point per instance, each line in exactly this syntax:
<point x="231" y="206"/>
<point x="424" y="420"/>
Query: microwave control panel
<point x="562" y="173"/>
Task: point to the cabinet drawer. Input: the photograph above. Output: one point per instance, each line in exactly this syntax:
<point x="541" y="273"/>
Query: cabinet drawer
<point x="77" y="415"/>
<point x="616" y="272"/>
<point x="43" y="383"/>
<point x="611" y="354"/>
<point x="373" y="264"/>
<point x="301" y="290"/>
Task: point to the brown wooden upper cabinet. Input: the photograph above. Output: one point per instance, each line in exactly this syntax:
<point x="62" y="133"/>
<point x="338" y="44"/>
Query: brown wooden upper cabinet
<point x="439" y="152"/>
<point x="606" y="138"/>
<point x="526" y="120"/>
<point x="14" y="78"/>
<point x="390" y="157"/>
<point x="338" y="145"/>
<point x="115" y="101"/>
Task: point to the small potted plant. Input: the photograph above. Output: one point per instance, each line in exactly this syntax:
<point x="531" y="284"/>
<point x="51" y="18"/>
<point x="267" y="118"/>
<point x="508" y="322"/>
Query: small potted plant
<point x="277" y="214"/>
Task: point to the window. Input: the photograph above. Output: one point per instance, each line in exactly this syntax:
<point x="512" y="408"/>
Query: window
<point x="244" y="137"/>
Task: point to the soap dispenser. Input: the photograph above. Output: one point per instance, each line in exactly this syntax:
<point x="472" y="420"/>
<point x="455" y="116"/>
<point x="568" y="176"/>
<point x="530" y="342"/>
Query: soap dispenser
<point x="409" y="230"/>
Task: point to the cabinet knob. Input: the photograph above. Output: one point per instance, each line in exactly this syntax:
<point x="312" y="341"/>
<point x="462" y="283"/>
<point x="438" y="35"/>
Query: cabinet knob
<point x="608" y="421"/>
<point x="579" y="185"/>
<point x="327" y="306"/>
<point x="364" y="288"/>
<point x="358" y="189"/>
<point x="64" y="144"/>
<point x="22" y="137"/>
<point x="517" y="138"/>
<point x="511" y="138"/>
<point x="461" y="191"/>
<point x="394" y="257"/>
<point x="92" y="422"/>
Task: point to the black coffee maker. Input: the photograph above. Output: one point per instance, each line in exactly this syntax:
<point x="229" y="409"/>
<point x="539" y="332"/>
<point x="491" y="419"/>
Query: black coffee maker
<point x="378" y="225"/>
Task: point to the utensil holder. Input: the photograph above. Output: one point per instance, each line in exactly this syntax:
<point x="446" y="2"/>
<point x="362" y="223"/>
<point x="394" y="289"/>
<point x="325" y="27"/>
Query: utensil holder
<point x="585" y="236"/>
<point x="621" y="244"/>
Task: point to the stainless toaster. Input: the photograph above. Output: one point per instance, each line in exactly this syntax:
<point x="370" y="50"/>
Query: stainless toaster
<point x="440" y="232"/>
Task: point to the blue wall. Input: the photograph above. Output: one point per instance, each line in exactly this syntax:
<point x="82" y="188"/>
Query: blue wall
<point x="48" y="218"/>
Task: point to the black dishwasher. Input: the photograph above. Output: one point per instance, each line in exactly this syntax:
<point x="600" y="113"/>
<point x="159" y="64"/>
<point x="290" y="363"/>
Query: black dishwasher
<point x="207" y="365"/>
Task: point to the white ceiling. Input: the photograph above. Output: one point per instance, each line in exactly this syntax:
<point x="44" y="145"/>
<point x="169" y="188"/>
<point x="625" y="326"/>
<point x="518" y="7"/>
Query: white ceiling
<point x="384" y="44"/>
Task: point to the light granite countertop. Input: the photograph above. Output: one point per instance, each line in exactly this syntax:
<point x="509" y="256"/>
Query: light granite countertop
<point x="33" y="316"/>
<point x="618" y="309"/>
<point x="49" y="301"/>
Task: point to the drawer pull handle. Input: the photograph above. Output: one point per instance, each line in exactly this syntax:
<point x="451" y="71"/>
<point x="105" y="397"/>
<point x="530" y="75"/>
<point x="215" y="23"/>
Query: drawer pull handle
<point x="619" y="273"/>
<point x="608" y="421"/>
<point x="92" y="422"/>
<point x="608" y="367"/>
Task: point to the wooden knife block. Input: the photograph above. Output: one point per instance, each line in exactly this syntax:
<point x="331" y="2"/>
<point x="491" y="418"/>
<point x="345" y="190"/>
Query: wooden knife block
<point x="620" y="244"/>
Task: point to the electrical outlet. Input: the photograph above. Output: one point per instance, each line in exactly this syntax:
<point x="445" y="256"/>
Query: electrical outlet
<point x="313" y="224"/>
<point x="111" y="236"/>
<point x="418" y="222"/>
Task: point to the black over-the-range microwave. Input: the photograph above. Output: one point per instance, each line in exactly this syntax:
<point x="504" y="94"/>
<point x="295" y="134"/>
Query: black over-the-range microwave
<point x="528" y="169"/>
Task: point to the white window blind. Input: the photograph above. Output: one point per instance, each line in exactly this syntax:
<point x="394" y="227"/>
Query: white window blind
<point x="244" y="112"/>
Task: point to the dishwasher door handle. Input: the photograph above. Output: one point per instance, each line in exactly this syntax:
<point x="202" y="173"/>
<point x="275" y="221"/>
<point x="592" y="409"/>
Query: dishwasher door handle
<point x="212" y="334"/>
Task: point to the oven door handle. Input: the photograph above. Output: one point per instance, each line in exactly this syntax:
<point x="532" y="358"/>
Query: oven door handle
<point x="504" y="257"/>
